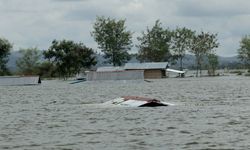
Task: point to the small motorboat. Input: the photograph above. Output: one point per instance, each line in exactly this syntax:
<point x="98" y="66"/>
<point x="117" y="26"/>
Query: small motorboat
<point x="135" y="101"/>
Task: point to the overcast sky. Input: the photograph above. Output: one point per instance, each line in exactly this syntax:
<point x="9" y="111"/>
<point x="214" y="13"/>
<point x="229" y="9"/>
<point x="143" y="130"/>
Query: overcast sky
<point x="35" y="23"/>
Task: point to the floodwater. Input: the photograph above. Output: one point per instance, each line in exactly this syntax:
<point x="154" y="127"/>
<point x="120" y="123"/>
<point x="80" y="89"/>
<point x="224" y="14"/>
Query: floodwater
<point x="210" y="113"/>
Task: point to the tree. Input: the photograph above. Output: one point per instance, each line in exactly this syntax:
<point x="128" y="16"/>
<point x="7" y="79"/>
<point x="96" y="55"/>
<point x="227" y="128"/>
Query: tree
<point x="5" y="48"/>
<point x="113" y="40"/>
<point x="69" y="57"/>
<point x="181" y="40"/>
<point x="154" y="44"/>
<point x="29" y="62"/>
<point x="212" y="63"/>
<point x="201" y="45"/>
<point x="244" y="51"/>
<point x="47" y="70"/>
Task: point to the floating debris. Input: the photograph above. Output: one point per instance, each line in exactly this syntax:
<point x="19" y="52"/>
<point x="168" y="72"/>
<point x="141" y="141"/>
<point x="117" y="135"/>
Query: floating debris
<point x="19" y="80"/>
<point x="78" y="80"/>
<point x="135" y="101"/>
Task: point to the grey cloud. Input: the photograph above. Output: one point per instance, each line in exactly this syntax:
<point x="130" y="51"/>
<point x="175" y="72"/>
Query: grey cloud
<point x="35" y="23"/>
<point x="90" y="10"/>
<point x="84" y="14"/>
<point x="69" y="0"/>
<point x="19" y="10"/>
<point x="212" y="8"/>
<point x="27" y="6"/>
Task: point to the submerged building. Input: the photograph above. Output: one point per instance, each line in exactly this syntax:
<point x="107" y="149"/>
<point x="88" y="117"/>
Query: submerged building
<point x="154" y="70"/>
<point x="19" y="80"/>
<point x="131" y="71"/>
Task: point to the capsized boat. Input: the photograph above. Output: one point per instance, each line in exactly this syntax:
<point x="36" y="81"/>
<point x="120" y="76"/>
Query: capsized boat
<point x="135" y="101"/>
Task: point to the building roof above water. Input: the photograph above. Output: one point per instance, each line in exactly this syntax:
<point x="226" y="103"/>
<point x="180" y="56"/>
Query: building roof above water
<point x="19" y="80"/>
<point x="109" y="69"/>
<point x="153" y="65"/>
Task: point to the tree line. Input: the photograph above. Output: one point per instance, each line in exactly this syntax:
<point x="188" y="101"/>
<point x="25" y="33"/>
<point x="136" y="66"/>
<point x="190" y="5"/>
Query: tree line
<point x="66" y="58"/>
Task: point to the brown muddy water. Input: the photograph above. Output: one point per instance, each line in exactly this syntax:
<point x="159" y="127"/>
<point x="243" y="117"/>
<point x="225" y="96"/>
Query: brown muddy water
<point x="210" y="113"/>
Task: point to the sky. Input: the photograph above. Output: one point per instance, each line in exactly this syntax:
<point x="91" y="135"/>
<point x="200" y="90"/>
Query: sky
<point x="35" y="23"/>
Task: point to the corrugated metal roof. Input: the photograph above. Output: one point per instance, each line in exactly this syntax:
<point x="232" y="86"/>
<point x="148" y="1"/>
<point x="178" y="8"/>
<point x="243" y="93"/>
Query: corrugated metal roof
<point x="153" y="65"/>
<point x="115" y="75"/>
<point x="109" y="69"/>
<point x="134" y="101"/>
<point x="175" y="71"/>
<point x="16" y="80"/>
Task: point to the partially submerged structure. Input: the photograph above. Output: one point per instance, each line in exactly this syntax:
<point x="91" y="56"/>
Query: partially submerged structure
<point x="19" y="80"/>
<point x="115" y="75"/>
<point x="154" y="70"/>
<point x="135" y="101"/>
<point x="131" y="71"/>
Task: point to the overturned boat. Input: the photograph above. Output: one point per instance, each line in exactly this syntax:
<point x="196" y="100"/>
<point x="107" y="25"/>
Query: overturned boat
<point x="135" y="101"/>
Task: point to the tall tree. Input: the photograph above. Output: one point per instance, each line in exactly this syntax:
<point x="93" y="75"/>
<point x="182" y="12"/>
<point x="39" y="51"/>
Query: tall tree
<point x="212" y="63"/>
<point x="5" y="48"/>
<point x="201" y="45"/>
<point x="154" y="44"/>
<point x="244" y="51"/>
<point x="69" y="57"/>
<point x="113" y="39"/>
<point x="29" y="62"/>
<point x="181" y="41"/>
<point x="47" y="70"/>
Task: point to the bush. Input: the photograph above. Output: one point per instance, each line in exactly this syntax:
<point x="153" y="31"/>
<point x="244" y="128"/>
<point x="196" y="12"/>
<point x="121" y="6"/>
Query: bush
<point x="247" y="74"/>
<point x="238" y="72"/>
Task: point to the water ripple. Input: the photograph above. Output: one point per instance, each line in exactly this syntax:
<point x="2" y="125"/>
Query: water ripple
<point x="212" y="113"/>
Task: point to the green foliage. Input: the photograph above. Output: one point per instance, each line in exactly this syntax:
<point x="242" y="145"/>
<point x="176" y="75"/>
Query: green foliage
<point x="47" y="70"/>
<point x="154" y="44"/>
<point x="244" y="51"/>
<point x="247" y="74"/>
<point x="69" y="57"/>
<point x="181" y="41"/>
<point x="201" y="45"/>
<point x="5" y="48"/>
<point x="29" y="62"/>
<point x="238" y="72"/>
<point x="212" y="63"/>
<point x="113" y="39"/>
